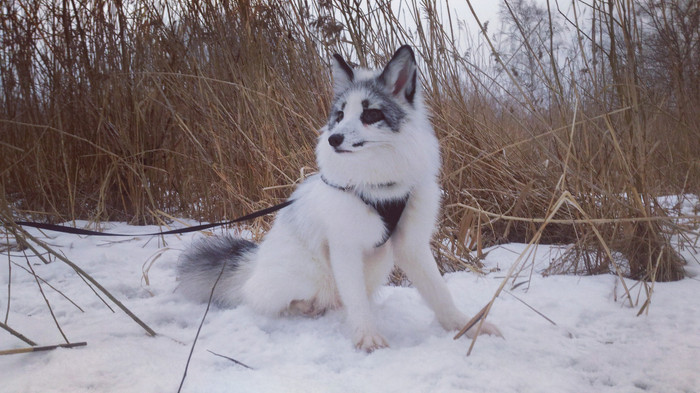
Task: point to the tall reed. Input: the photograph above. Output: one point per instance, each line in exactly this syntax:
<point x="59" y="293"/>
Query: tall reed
<point x="117" y="110"/>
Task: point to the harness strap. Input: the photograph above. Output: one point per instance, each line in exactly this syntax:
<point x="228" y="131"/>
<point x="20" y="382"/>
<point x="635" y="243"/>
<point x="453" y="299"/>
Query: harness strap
<point x="389" y="210"/>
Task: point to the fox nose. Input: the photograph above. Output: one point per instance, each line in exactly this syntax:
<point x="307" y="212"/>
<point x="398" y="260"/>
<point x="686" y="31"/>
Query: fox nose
<point x="336" y="139"/>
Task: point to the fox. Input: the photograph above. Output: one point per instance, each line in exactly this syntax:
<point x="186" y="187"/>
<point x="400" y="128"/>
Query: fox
<point x="372" y="205"/>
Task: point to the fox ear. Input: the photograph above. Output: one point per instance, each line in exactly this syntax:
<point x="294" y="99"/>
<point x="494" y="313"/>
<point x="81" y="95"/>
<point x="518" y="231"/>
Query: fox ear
<point x="399" y="75"/>
<point x="342" y="74"/>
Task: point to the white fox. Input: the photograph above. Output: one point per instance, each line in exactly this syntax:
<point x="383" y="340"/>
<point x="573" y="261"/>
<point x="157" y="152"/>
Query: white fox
<point x="373" y="205"/>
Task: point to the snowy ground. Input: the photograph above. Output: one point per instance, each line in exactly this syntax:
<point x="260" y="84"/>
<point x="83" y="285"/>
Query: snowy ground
<point x="597" y="345"/>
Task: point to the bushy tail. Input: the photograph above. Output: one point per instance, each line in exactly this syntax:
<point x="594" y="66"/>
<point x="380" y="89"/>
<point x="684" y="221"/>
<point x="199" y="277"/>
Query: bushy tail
<point x="201" y="264"/>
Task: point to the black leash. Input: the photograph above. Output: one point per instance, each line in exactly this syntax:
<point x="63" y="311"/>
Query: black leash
<point x="79" y="231"/>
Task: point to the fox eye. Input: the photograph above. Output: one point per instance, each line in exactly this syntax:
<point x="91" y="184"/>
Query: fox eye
<point x="371" y="116"/>
<point x="339" y="116"/>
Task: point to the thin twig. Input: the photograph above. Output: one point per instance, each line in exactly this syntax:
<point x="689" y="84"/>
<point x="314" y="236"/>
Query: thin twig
<point x="44" y="348"/>
<point x="231" y="359"/>
<point x="199" y="329"/>
<point x="9" y="278"/>
<point x="17" y="334"/>
<point x="532" y="308"/>
<point x="95" y="292"/>
<point x="48" y="304"/>
<point x="50" y="286"/>
<point x="497" y="216"/>
<point x="475" y="319"/>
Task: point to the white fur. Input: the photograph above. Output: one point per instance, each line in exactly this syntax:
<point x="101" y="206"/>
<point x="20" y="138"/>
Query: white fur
<point x="321" y="251"/>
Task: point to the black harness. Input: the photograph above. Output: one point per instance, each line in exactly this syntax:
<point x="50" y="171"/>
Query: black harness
<point x="389" y="210"/>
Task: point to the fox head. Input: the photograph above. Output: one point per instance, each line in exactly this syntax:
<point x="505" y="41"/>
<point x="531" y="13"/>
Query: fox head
<point x="367" y="107"/>
<point x="377" y="126"/>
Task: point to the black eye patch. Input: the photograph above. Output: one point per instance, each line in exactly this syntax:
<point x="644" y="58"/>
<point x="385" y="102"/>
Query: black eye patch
<point x="371" y="116"/>
<point x="339" y="116"/>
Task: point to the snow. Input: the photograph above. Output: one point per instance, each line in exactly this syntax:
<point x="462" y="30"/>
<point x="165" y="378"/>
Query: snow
<point x="597" y="345"/>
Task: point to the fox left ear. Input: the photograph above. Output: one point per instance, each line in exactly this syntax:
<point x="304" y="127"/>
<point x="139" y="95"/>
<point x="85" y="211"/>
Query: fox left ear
<point x="343" y="75"/>
<point x="399" y="75"/>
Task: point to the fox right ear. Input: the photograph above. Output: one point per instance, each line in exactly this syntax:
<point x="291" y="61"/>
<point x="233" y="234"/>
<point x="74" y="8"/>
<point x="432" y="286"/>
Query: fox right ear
<point x="342" y="75"/>
<point x="399" y="76"/>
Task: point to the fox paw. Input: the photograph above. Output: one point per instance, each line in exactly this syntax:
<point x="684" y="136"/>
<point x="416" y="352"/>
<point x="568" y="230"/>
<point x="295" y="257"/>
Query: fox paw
<point x="306" y="308"/>
<point x="486" y="329"/>
<point x="370" y="342"/>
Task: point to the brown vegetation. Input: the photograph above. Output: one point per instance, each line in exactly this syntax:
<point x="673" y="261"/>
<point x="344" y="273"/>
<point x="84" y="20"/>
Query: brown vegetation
<point x="205" y="109"/>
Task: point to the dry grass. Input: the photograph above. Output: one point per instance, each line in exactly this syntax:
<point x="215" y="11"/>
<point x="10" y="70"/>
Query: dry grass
<point x="209" y="110"/>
